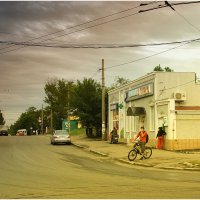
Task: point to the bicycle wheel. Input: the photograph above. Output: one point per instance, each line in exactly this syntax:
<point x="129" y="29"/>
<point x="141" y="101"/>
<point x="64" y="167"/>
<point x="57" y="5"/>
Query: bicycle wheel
<point x="132" y="155"/>
<point x="147" y="152"/>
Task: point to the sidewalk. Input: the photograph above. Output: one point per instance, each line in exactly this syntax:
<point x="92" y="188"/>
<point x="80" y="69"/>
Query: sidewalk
<point x="161" y="159"/>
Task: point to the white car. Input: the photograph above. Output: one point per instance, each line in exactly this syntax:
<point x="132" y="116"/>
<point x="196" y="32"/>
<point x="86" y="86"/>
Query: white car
<point x="60" y="136"/>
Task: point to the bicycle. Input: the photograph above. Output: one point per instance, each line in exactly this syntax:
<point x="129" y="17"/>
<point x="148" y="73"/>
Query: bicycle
<point x="137" y="150"/>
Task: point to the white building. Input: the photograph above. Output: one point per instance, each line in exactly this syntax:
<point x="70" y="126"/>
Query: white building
<point x="169" y="99"/>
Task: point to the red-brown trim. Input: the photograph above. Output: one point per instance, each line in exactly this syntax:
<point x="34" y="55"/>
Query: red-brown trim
<point x="187" y="107"/>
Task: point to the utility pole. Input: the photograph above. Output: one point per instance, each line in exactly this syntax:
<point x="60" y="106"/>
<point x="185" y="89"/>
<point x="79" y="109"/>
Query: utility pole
<point x="104" y="136"/>
<point x="68" y="96"/>
<point x="51" y="121"/>
<point x="68" y="104"/>
<point x="42" y="122"/>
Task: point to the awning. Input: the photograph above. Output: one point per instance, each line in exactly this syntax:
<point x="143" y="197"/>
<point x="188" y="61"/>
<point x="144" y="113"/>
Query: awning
<point x="135" y="111"/>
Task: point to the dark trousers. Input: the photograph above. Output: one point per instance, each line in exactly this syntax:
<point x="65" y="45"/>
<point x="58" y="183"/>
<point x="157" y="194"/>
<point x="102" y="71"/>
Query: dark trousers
<point x="142" y="146"/>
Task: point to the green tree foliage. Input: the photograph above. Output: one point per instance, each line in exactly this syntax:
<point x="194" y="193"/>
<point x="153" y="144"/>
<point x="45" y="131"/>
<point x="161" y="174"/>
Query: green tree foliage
<point x="167" y="69"/>
<point x="2" y="121"/>
<point x="27" y="120"/>
<point x="119" y="81"/>
<point x="57" y="92"/>
<point x="86" y="97"/>
<point x="160" y="69"/>
<point x="63" y="96"/>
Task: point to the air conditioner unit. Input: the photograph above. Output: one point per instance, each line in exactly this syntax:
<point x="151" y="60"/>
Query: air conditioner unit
<point x="180" y="96"/>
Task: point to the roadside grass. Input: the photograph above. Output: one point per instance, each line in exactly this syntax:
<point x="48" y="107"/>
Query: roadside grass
<point x="81" y="133"/>
<point x="78" y="132"/>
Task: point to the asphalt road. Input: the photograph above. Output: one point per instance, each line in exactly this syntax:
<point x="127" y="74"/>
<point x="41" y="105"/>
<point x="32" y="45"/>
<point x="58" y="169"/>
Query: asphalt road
<point x="32" y="168"/>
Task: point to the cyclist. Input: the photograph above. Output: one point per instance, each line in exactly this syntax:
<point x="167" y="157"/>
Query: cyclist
<point x="142" y="140"/>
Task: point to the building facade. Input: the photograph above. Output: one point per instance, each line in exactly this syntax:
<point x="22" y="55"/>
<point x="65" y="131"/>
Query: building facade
<point x="167" y="99"/>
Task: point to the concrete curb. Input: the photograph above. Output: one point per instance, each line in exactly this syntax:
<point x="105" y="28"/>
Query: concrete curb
<point x="99" y="153"/>
<point x="77" y="145"/>
<point x="134" y="163"/>
<point x="91" y="150"/>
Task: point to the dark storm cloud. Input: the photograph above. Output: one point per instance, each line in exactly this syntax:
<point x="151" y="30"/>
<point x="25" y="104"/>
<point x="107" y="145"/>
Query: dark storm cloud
<point x="41" y="17"/>
<point x="33" y="19"/>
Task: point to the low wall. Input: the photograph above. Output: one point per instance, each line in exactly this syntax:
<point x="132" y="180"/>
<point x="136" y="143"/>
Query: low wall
<point x="182" y="144"/>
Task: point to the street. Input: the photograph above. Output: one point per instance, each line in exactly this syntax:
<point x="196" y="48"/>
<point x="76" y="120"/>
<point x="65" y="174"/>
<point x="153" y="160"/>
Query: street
<point x="32" y="168"/>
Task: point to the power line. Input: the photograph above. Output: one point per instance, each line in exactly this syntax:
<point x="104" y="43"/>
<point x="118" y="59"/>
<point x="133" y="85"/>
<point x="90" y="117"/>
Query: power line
<point x="168" y="4"/>
<point x="147" y="56"/>
<point x="99" y="23"/>
<point x="90" y="21"/>
<point x="187" y="21"/>
<point x="133" y="45"/>
<point x="95" y="73"/>
<point x="75" y="31"/>
<point x="71" y="28"/>
<point x="96" y="46"/>
<point x="172" y="4"/>
<point x="184" y="18"/>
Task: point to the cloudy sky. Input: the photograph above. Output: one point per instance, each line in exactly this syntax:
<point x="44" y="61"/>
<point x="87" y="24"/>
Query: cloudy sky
<point x="62" y="26"/>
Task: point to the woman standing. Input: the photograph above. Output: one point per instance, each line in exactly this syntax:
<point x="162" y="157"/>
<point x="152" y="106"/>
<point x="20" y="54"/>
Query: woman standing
<point x="160" y="136"/>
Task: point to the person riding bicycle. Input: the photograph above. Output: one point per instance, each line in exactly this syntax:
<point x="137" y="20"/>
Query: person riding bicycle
<point x="142" y="140"/>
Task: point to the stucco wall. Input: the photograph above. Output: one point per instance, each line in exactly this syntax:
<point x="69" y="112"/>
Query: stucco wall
<point x="169" y="82"/>
<point x="187" y="127"/>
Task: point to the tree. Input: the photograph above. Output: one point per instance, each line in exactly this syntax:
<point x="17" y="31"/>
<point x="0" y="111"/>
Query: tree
<point x="86" y="97"/>
<point x="160" y="69"/>
<point x="27" y="120"/>
<point x="167" y="69"/>
<point x="2" y="121"/>
<point x="57" y="97"/>
<point x="119" y="81"/>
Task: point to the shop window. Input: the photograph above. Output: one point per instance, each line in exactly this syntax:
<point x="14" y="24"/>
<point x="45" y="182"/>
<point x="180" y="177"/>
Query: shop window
<point x="116" y="124"/>
<point x="116" y="119"/>
<point x="115" y="115"/>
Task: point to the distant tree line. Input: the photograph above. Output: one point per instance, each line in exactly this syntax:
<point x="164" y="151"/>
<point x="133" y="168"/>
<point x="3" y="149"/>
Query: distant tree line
<point x="62" y="97"/>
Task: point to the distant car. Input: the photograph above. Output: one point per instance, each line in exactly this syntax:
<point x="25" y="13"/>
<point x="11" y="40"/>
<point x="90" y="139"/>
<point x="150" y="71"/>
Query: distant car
<point x="3" y="133"/>
<point x="21" y="132"/>
<point x="60" y="136"/>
